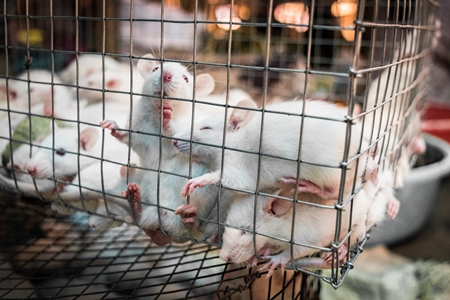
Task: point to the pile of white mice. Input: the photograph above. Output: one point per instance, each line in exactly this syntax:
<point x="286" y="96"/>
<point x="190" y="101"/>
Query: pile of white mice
<point x="260" y="184"/>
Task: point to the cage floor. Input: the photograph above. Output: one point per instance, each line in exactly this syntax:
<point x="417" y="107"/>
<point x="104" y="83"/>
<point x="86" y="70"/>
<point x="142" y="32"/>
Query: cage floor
<point x="45" y="256"/>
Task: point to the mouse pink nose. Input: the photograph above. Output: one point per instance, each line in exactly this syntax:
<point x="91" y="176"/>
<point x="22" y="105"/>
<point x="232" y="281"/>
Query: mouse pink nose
<point x="167" y="76"/>
<point x="32" y="170"/>
<point x="226" y="258"/>
<point x="175" y="142"/>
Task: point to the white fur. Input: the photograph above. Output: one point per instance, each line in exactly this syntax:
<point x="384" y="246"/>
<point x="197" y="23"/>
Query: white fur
<point x="313" y="227"/>
<point x="62" y="155"/>
<point x="159" y="202"/>
<point x="322" y="143"/>
<point x="87" y="65"/>
<point x="117" y="84"/>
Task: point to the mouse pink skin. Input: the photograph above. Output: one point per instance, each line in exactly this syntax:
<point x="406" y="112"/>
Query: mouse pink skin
<point x="113" y="127"/>
<point x="134" y="192"/>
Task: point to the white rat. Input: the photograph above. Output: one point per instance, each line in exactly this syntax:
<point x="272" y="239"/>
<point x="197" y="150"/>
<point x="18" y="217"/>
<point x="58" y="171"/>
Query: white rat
<point x="91" y="182"/>
<point x="37" y="97"/>
<point x="178" y="83"/>
<point x="154" y="207"/>
<point x="152" y="202"/>
<point x="45" y="93"/>
<point x="59" y="153"/>
<point x="117" y="84"/>
<point x="322" y="149"/>
<point x="313" y="228"/>
<point x="87" y="65"/>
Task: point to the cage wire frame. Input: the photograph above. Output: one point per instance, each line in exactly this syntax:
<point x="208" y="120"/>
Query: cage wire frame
<point x="408" y="16"/>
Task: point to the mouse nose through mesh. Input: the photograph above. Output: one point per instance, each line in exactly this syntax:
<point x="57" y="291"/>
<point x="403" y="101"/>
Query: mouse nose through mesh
<point x="167" y="76"/>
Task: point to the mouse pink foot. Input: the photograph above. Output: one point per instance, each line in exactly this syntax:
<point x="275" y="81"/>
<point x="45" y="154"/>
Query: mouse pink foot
<point x="306" y="186"/>
<point x="134" y="192"/>
<point x="252" y="262"/>
<point x="199" y="182"/>
<point x="187" y="212"/>
<point x="342" y="253"/>
<point x="113" y="126"/>
<point x="280" y="260"/>
<point x="393" y="206"/>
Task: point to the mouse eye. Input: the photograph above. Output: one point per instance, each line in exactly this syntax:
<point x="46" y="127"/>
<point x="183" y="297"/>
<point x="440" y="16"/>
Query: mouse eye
<point x="205" y="128"/>
<point x="244" y="232"/>
<point x="13" y="94"/>
<point x="155" y="69"/>
<point x="185" y="78"/>
<point x="60" y="151"/>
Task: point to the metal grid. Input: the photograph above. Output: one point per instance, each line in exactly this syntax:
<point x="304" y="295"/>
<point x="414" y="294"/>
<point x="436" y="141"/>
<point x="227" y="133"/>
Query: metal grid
<point x="48" y="257"/>
<point x="267" y="58"/>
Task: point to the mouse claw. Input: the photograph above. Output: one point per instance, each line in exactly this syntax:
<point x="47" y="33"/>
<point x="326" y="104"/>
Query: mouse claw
<point x="199" y="182"/>
<point x="279" y="260"/>
<point x="187" y="212"/>
<point x="252" y="262"/>
<point x="342" y="253"/>
<point x="113" y="126"/>
<point x="134" y="192"/>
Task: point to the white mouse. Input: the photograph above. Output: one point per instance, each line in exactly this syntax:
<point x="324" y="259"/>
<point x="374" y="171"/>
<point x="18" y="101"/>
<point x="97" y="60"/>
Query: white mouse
<point x="322" y="149"/>
<point x="178" y="83"/>
<point x="36" y="96"/>
<point x="60" y="159"/>
<point x="48" y="89"/>
<point x="69" y="150"/>
<point x="117" y="82"/>
<point x="155" y="201"/>
<point x="313" y="228"/>
<point x="87" y="64"/>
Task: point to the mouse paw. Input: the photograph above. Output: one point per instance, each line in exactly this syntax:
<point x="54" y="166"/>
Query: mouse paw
<point x="279" y="260"/>
<point x="134" y="192"/>
<point x="393" y="206"/>
<point x="252" y="262"/>
<point x="342" y="253"/>
<point x="199" y="182"/>
<point x="187" y="212"/>
<point x="113" y="127"/>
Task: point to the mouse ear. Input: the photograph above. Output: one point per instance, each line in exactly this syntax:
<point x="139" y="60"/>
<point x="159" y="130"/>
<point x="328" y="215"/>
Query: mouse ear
<point x="11" y="91"/>
<point x="112" y="83"/>
<point x="277" y="207"/>
<point x="240" y="117"/>
<point x="88" y="138"/>
<point x="204" y="85"/>
<point x="145" y="66"/>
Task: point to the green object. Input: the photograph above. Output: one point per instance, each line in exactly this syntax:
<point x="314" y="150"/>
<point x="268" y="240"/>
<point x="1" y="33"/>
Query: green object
<point x="40" y="128"/>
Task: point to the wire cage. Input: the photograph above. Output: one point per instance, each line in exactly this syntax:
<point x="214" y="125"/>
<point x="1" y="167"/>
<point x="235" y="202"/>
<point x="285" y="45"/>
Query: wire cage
<point x="267" y="135"/>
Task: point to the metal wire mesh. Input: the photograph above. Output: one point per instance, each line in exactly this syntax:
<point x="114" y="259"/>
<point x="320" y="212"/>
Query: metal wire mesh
<point x="372" y="61"/>
<point x="48" y="257"/>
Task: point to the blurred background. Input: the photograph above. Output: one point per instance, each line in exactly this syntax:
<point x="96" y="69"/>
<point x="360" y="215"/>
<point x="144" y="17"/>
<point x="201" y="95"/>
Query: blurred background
<point x="125" y="29"/>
